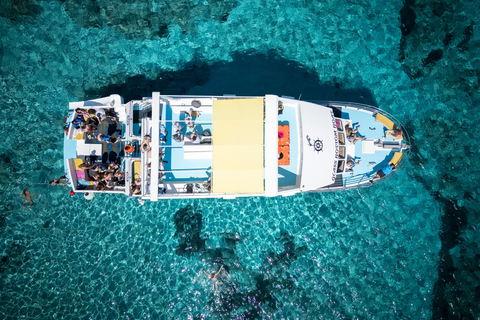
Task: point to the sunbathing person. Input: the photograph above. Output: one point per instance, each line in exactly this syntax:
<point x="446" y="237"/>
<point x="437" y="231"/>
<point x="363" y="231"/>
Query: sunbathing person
<point x="177" y="137"/>
<point x="135" y="189"/>
<point x="393" y="133"/>
<point x="146" y="142"/>
<point x="351" y="163"/>
<point x="352" y="134"/>
<point x="194" y="137"/>
<point x="389" y="168"/>
<point x="177" y="128"/>
<point x="145" y="145"/>
<point x="190" y="123"/>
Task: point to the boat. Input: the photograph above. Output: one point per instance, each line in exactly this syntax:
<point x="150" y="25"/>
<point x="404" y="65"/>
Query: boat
<point x="189" y="146"/>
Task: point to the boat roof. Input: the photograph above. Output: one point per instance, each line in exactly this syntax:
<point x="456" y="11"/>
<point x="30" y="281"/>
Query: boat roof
<point x="237" y="165"/>
<point x="320" y="146"/>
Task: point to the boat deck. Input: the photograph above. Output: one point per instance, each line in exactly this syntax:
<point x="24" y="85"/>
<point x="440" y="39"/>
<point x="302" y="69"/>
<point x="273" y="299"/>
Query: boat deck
<point x="371" y="130"/>
<point x="180" y="155"/>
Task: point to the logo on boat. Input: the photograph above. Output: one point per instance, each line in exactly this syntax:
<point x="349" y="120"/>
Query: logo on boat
<point x="317" y="144"/>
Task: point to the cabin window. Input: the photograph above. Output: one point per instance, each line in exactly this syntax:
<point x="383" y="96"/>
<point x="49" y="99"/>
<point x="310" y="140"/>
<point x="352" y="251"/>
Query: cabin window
<point x="341" y="138"/>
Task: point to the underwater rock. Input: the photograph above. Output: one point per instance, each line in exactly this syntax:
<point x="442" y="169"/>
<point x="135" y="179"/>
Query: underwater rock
<point x="15" y="256"/>
<point x="468" y="33"/>
<point x="432" y="58"/>
<point x="3" y="223"/>
<point x="407" y="23"/>
<point x="407" y="17"/>
<point x="20" y="10"/>
<point x="189" y="227"/>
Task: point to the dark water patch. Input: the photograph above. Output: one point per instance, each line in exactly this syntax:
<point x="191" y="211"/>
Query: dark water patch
<point x="3" y="222"/>
<point x="273" y="279"/>
<point x="454" y="295"/>
<point x="467" y="33"/>
<point x="20" y="11"/>
<point x="46" y="224"/>
<point x="448" y="39"/>
<point x="439" y="8"/>
<point x="189" y="227"/>
<point x="418" y="50"/>
<point x="290" y="252"/>
<point x="407" y="17"/>
<point x="139" y="86"/>
<point x="407" y="23"/>
<point x="7" y="168"/>
<point x="146" y="19"/>
<point x="454" y="221"/>
<point x="15" y="256"/>
<point x="432" y="58"/>
<point x="247" y="74"/>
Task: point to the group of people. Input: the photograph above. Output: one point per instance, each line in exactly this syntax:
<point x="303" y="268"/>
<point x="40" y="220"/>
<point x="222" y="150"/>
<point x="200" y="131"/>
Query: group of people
<point x="88" y="121"/>
<point x="105" y="176"/>
<point x="193" y="136"/>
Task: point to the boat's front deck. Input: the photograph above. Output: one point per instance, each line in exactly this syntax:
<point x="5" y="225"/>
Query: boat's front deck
<point x="370" y="158"/>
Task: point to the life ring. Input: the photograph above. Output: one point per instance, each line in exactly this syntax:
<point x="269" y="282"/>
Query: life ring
<point x="129" y="148"/>
<point x="88" y="195"/>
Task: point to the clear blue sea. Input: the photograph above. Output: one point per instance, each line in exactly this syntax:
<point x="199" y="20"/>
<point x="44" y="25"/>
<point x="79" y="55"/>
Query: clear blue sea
<point x="406" y="248"/>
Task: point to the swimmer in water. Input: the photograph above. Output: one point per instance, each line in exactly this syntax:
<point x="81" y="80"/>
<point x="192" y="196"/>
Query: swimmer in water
<point x="28" y="197"/>
<point x="213" y="276"/>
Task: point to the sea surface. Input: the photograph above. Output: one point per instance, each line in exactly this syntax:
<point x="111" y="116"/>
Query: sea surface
<point x="405" y="248"/>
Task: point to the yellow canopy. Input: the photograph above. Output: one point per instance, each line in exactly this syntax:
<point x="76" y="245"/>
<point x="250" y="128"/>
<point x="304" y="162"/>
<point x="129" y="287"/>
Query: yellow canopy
<point x="238" y="146"/>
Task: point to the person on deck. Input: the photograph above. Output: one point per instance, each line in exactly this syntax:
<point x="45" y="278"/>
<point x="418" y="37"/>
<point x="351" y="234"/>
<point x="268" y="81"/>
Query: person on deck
<point x="352" y="134"/>
<point x="389" y="168"/>
<point x="194" y="137"/>
<point x="106" y="138"/>
<point x="351" y="163"/>
<point x="393" y="133"/>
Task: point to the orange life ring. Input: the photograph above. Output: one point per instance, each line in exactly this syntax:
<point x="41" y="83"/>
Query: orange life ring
<point x="129" y="148"/>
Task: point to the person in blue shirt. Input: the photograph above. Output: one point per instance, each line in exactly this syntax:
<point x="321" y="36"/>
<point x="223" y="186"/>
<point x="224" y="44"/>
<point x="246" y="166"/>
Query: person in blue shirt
<point x="389" y="168"/>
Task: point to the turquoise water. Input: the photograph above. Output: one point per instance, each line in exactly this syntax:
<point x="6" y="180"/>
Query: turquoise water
<point x="406" y="248"/>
